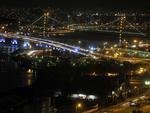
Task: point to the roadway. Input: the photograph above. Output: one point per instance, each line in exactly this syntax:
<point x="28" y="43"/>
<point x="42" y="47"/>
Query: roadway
<point x="49" y="42"/>
<point x="122" y="55"/>
<point x="124" y="107"/>
<point x="74" y="49"/>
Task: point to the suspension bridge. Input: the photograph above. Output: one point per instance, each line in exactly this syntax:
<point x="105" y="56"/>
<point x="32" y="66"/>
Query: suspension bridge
<point x="113" y="26"/>
<point x="120" y="25"/>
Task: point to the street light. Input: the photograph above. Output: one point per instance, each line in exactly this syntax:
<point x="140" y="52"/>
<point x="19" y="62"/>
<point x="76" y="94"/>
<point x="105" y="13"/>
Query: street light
<point x="79" y="42"/>
<point x="141" y="70"/>
<point x="78" y="106"/>
<point x="3" y="27"/>
<point x="135" y="41"/>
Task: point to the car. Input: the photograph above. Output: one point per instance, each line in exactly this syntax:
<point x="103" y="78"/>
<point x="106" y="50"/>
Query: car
<point x="134" y="104"/>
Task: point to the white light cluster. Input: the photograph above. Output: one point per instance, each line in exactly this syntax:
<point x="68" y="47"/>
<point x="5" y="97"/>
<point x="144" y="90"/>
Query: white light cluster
<point x="84" y="96"/>
<point x="147" y="82"/>
<point x="2" y="40"/>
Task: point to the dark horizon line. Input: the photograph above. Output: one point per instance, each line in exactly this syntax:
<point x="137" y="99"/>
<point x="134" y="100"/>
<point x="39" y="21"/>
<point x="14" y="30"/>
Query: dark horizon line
<point x="78" y="7"/>
<point x="77" y="4"/>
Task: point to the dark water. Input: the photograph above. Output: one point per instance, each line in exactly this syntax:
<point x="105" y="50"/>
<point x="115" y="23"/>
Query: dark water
<point x="12" y="76"/>
<point x="96" y="39"/>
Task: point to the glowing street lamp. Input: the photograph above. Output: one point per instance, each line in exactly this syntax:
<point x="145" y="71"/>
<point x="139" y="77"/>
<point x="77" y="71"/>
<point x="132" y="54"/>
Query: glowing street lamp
<point x="141" y="70"/>
<point x="116" y="55"/>
<point x="3" y="27"/>
<point x="78" y="106"/>
<point x="79" y="42"/>
<point x="135" y="41"/>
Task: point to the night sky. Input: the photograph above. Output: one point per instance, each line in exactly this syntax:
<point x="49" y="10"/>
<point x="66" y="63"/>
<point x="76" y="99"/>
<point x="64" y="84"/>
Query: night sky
<point x="78" y="3"/>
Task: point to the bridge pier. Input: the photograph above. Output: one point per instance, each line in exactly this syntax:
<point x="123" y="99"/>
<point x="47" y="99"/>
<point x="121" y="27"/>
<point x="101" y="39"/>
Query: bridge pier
<point x="45" y="21"/>
<point x="121" y="28"/>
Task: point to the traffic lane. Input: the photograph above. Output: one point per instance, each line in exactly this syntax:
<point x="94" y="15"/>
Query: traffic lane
<point x="146" y="109"/>
<point x="124" y="106"/>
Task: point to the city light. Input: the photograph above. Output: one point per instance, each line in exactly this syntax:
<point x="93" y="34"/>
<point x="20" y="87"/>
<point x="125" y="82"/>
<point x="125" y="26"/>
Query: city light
<point x="112" y="74"/>
<point x="115" y="45"/>
<point x="84" y="96"/>
<point x="91" y="97"/>
<point x="134" y="46"/>
<point x="116" y="55"/>
<point x="141" y="70"/>
<point x="147" y="83"/>
<point x="79" y="60"/>
<point x="36" y="44"/>
<point x="92" y="48"/>
<point x="135" y="41"/>
<point x="113" y="92"/>
<point x="2" y="40"/>
<point x="30" y="52"/>
<point x="3" y="27"/>
<point x="26" y="44"/>
<point x="14" y="42"/>
<point x="79" y="105"/>
<point x="75" y="96"/>
<point x="79" y="42"/>
<point x="76" y="50"/>
<point x="107" y="52"/>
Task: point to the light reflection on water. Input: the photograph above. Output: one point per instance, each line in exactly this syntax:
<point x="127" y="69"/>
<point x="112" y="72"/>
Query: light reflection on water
<point x="30" y="77"/>
<point x="13" y="76"/>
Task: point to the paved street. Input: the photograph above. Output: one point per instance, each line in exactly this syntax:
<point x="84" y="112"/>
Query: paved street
<point x="124" y="107"/>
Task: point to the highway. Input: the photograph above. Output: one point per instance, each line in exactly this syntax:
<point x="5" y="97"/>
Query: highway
<point x="56" y="44"/>
<point x="79" y="50"/>
<point x="124" y="107"/>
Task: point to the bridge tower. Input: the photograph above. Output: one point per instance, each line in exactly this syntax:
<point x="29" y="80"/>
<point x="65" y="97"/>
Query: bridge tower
<point x="45" y="22"/>
<point x="121" y="28"/>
